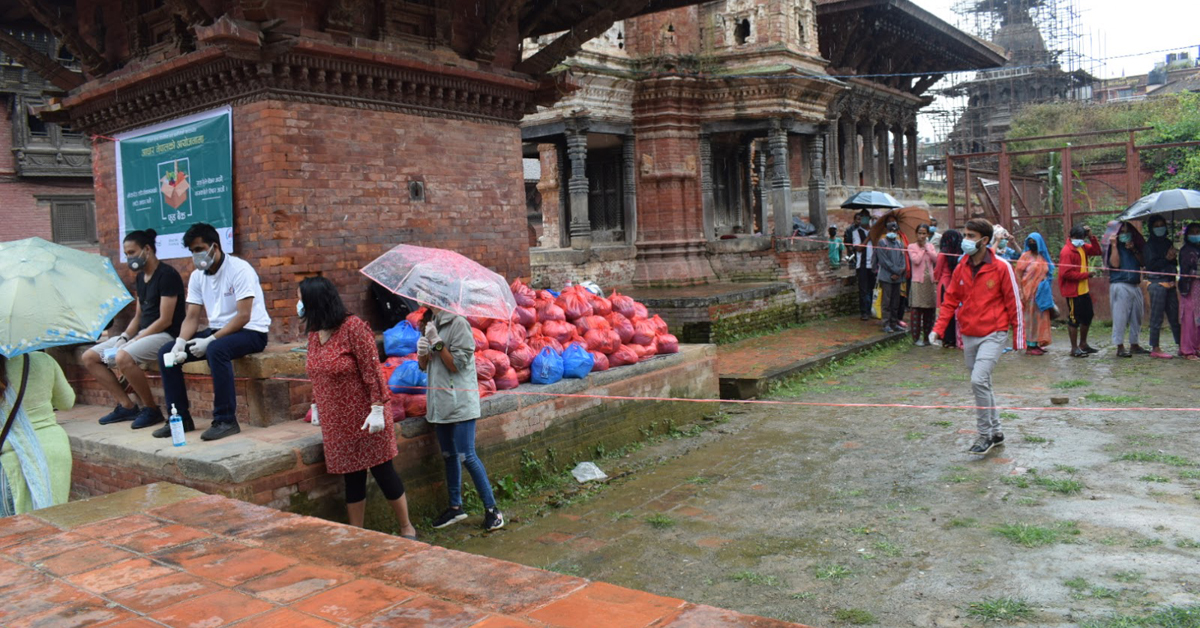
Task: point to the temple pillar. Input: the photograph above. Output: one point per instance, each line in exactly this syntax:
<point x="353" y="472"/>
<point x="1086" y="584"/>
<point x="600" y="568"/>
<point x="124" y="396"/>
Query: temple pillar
<point x="833" y="170"/>
<point x="897" y="158"/>
<point x="781" y="181"/>
<point x="577" y="186"/>
<point x="881" y="155"/>
<point x="913" y="170"/>
<point x="866" y="162"/>
<point x="764" y="196"/>
<point x="849" y="139"/>
<point x="816" y="184"/>
<point x="629" y="181"/>
<point x="707" y="200"/>
<point x="550" y="187"/>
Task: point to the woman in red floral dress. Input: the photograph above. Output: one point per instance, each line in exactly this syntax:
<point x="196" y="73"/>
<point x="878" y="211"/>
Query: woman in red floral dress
<point x="343" y="364"/>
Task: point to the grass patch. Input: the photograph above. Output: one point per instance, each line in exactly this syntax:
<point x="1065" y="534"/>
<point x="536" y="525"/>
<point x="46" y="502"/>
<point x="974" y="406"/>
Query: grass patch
<point x="1118" y="399"/>
<point x="855" y="616"/>
<point x="1156" y="456"/>
<point x="660" y="521"/>
<point x="1066" y="469"/>
<point x="1036" y="439"/>
<point x="1066" y="486"/>
<point x="802" y="595"/>
<point x="1154" y="478"/>
<point x="698" y="479"/>
<point x="1189" y="475"/>
<point x="1147" y="542"/>
<point x="620" y="516"/>
<point x="1019" y="481"/>
<point x="860" y="530"/>
<point x="966" y="522"/>
<point x="887" y="548"/>
<point x="1128" y="577"/>
<point x="1029" y="535"/>
<point x="1004" y="609"/>
<point x="1169" y="617"/>
<point x="1187" y="543"/>
<point x="1076" y="584"/>
<point x="832" y="571"/>
<point x="914" y="436"/>
<point x="1070" y="384"/>
<point x="941" y="423"/>
<point x="957" y="478"/>
<point x="755" y="578"/>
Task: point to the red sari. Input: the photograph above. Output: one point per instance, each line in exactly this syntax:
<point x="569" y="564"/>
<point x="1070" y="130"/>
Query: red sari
<point x="346" y="382"/>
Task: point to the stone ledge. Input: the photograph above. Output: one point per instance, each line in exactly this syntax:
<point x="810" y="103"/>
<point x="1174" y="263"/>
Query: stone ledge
<point x="708" y="295"/>
<point x="596" y="253"/>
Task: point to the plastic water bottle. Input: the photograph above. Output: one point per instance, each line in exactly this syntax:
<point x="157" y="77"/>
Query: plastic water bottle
<point x="176" y="423"/>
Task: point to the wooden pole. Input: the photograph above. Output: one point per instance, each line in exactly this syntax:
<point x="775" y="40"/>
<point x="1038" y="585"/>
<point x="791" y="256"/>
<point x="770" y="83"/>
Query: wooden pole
<point x="1068" y="186"/>
<point x="950" y="191"/>
<point x="1005" y="196"/>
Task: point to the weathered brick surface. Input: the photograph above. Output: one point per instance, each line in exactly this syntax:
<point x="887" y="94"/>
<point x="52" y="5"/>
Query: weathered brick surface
<point x="323" y="190"/>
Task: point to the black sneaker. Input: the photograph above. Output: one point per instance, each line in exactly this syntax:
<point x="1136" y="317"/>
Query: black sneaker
<point x="982" y="445"/>
<point x="220" y="430"/>
<point x="119" y="414"/>
<point x="493" y="520"/>
<point x="998" y="439"/>
<point x="147" y="417"/>
<point x="165" y="431"/>
<point x="1090" y="349"/>
<point x="451" y="516"/>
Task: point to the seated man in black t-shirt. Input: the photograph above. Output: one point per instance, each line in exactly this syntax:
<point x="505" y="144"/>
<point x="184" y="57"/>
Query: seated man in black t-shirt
<point x="158" y="315"/>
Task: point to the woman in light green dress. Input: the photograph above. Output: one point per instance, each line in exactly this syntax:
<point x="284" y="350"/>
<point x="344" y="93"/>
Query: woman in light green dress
<point x="37" y="455"/>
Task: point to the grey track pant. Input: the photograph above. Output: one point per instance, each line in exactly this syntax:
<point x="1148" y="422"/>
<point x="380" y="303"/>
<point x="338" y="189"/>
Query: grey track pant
<point x="1127" y="307"/>
<point x="981" y="354"/>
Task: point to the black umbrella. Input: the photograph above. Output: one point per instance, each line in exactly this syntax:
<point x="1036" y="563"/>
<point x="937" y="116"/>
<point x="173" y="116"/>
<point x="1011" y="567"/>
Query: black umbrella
<point x="1182" y="204"/>
<point x="871" y="199"/>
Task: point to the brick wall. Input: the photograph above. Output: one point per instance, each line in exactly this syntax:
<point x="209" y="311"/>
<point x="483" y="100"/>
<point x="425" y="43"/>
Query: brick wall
<point x="674" y="32"/>
<point x="324" y="190"/>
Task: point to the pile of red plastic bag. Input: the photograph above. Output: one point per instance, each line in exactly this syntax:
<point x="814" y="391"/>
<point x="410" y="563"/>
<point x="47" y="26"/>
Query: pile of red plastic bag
<point x="614" y="331"/>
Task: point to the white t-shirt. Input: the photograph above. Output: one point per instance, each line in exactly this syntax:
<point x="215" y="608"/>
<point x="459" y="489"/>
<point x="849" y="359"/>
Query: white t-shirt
<point x="219" y="294"/>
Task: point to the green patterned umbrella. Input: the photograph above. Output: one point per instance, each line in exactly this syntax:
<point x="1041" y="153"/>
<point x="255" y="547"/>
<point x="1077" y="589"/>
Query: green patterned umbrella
<point x="52" y="295"/>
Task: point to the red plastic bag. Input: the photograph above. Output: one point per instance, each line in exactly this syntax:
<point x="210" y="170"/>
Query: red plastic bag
<point x="601" y="306"/>
<point x="534" y="330"/>
<point x="499" y="359"/>
<point x="640" y="310"/>
<point x="602" y="340"/>
<point x="414" y="318"/>
<point x="550" y="312"/>
<point x="644" y="351"/>
<point x="622" y="326"/>
<point x="537" y="343"/>
<point x="484" y="369"/>
<point x="667" y="343"/>
<point x="507" y="380"/>
<point x="414" y="405"/>
<point x="622" y="304"/>
<point x="660" y="326"/>
<point x="525" y="316"/>
<point x="388" y="366"/>
<point x="575" y="304"/>
<point x="480" y="323"/>
<point x="599" y="361"/>
<point x="591" y="322"/>
<point x="558" y="330"/>
<point x="487" y="388"/>
<point x="522" y="294"/>
<point x="481" y="341"/>
<point x="521" y="357"/>
<point x="643" y="332"/>
<point x="505" y="336"/>
<point x="524" y="375"/>
<point x="622" y="356"/>
<point x="396" y="408"/>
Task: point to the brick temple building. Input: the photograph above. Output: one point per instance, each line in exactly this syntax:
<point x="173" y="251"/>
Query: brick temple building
<point x="701" y="132"/>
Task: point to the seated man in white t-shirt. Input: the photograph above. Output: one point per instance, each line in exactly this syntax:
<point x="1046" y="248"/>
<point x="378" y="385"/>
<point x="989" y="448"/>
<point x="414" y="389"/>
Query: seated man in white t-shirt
<point x="227" y="289"/>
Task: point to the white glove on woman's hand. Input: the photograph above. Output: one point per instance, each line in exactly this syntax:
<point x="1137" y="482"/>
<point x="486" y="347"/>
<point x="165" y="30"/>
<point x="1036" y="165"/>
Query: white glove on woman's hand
<point x="374" y="423"/>
<point x="423" y="346"/>
<point x="934" y="340"/>
<point x="431" y="334"/>
<point x="198" y="347"/>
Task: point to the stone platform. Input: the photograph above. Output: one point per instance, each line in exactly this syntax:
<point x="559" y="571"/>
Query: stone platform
<point x="715" y="312"/>
<point x="167" y="555"/>
<point x="749" y="367"/>
<point x="282" y="465"/>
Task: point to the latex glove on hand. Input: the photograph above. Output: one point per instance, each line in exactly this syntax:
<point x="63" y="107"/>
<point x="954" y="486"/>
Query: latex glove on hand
<point x="431" y="334"/>
<point x="423" y="346"/>
<point x="179" y="346"/>
<point x="374" y="423"/>
<point x="198" y="347"/>
<point x="934" y="339"/>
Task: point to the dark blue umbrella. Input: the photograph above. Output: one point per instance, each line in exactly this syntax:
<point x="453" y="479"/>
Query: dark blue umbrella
<point x="871" y="199"/>
<point x="1183" y="204"/>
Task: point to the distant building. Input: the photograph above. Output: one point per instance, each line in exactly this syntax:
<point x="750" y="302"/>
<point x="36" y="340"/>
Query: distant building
<point x="45" y="169"/>
<point x="1178" y="72"/>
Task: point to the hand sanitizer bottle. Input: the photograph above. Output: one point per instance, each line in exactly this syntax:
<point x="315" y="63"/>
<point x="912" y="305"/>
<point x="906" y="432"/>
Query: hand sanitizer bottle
<point x="176" y="423"/>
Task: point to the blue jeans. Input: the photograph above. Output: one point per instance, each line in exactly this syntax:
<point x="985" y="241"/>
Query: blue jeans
<point x="457" y="441"/>
<point x="221" y="354"/>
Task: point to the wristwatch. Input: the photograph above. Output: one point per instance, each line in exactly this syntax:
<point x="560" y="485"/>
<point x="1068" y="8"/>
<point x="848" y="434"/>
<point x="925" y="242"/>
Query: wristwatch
<point x="439" y="345"/>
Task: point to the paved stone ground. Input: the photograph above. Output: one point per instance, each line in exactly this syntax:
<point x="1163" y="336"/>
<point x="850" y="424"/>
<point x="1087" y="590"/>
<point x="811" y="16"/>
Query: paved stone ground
<point x="832" y="515"/>
<point x="164" y="555"/>
<point x="756" y="357"/>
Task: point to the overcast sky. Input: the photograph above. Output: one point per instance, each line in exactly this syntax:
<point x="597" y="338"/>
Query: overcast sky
<point x="1116" y="28"/>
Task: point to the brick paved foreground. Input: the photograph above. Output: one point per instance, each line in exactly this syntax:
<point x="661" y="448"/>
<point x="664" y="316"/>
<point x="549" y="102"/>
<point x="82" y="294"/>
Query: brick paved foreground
<point x="164" y="555"/>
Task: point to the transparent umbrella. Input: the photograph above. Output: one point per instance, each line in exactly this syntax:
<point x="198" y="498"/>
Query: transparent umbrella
<point x="443" y="279"/>
<point x="52" y="295"/>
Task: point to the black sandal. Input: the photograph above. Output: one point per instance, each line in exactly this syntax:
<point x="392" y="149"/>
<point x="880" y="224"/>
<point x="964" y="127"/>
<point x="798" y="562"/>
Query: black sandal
<point x="1079" y="353"/>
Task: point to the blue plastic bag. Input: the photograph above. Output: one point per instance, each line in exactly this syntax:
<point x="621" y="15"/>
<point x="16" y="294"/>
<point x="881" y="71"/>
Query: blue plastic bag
<point x="577" y="362"/>
<point x="408" y="379"/>
<point x="1045" y="295"/>
<point x="401" y="340"/>
<point x="547" y="367"/>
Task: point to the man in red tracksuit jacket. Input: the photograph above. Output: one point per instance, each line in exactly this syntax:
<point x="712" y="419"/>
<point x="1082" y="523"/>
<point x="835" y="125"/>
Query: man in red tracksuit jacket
<point x="984" y="296"/>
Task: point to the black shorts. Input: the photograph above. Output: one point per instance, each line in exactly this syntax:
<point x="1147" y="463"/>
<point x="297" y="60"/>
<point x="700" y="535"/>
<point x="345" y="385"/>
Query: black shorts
<point x="1079" y="310"/>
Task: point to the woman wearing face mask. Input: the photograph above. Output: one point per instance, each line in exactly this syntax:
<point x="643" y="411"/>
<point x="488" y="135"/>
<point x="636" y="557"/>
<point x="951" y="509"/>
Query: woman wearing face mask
<point x="1002" y="249"/>
<point x="1034" y="273"/>
<point x="891" y="268"/>
<point x="923" y="293"/>
<point x="343" y="364"/>
<point x="950" y="252"/>
<point x="157" y="316"/>
<point x="1189" y="293"/>
<point x="1162" y="264"/>
<point x="1124" y="259"/>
